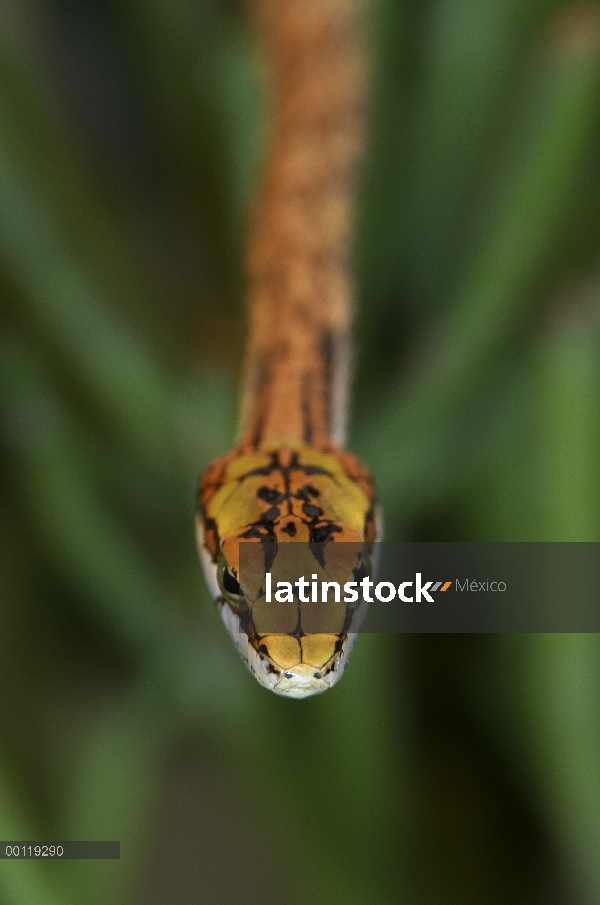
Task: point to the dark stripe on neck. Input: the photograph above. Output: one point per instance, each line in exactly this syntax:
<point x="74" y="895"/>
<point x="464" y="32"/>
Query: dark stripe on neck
<point x="308" y="432"/>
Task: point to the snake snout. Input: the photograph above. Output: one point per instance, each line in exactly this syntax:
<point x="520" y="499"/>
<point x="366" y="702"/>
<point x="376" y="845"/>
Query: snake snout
<point x="300" y="681"/>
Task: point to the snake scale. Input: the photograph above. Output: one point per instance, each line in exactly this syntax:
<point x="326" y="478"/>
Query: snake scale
<point x="288" y="479"/>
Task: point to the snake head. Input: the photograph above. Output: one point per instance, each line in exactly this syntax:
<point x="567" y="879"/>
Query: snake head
<point x="286" y="510"/>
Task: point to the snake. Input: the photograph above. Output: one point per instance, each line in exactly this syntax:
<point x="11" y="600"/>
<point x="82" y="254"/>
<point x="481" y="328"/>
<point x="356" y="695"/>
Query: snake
<point x="289" y="480"/>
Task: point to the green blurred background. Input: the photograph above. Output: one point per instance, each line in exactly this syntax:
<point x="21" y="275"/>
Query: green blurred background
<point x="442" y="769"/>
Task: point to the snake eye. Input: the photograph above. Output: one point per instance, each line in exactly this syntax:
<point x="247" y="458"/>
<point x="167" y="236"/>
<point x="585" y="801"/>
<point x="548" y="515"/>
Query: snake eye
<point x="364" y="567"/>
<point x="229" y="585"/>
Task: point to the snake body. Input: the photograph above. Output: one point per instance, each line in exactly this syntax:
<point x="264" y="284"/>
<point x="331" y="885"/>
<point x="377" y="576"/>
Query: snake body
<point x="288" y="480"/>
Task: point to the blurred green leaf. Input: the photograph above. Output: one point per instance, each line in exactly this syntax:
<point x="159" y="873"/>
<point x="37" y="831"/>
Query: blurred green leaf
<point x="486" y="309"/>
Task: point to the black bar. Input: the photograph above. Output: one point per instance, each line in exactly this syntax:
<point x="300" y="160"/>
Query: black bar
<point x="58" y="851"/>
<point x="424" y="587"/>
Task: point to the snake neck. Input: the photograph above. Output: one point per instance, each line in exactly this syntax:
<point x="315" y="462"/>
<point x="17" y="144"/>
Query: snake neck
<point x="299" y="297"/>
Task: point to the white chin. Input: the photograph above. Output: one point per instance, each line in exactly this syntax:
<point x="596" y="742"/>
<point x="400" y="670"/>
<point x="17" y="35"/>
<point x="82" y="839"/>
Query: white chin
<point x="297" y="682"/>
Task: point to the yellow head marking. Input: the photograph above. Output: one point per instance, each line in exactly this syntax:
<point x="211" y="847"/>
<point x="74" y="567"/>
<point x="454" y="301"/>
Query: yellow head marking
<point x="275" y="497"/>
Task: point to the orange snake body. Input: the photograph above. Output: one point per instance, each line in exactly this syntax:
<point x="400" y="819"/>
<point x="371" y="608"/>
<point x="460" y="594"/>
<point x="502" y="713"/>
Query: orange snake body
<point x="288" y="480"/>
